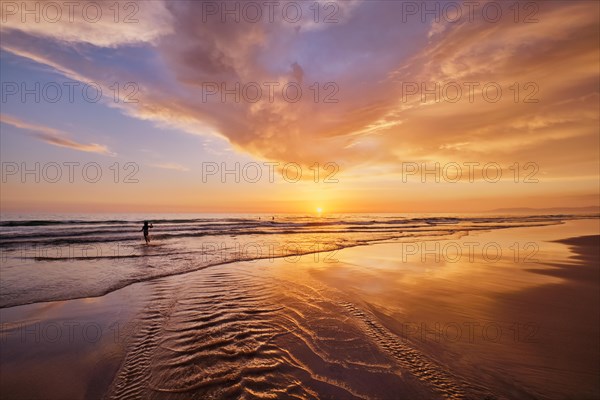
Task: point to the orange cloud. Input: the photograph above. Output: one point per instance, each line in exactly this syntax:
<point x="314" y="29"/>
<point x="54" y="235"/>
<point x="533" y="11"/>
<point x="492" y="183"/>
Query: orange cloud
<point x="101" y="23"/>
<point x="554" y="61"/>
<point x="54" y="137"/>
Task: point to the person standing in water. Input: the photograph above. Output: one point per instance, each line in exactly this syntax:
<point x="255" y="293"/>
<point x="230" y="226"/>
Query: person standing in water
<point x="145" y="230"/>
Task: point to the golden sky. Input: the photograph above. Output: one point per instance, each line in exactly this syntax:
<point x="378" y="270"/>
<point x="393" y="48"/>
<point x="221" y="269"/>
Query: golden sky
<point x="396" y="101"/>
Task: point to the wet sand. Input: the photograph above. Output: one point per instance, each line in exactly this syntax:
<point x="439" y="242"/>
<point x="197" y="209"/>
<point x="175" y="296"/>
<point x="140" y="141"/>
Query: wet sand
<point x="66" y="349"/>
<point x="393" y="320"/>
<point x="521" y="329"/>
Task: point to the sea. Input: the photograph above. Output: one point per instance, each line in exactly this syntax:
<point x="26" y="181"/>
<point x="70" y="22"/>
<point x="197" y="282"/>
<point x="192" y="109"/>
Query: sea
<point x="48" y="257"/>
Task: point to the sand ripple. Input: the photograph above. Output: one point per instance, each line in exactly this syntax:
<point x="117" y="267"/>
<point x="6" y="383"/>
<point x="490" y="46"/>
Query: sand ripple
<point x="229" y="334"/>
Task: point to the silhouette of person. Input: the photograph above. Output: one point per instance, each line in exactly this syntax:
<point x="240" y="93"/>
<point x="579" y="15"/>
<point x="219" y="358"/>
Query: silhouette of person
<point x="145" y="230"/>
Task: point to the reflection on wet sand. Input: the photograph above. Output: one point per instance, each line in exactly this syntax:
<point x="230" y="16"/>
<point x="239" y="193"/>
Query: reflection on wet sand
<point x="380" y="321"/>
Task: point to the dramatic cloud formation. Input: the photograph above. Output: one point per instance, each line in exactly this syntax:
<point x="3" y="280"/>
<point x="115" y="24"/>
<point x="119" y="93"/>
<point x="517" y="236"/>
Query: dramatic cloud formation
<point x="380" y="86"/>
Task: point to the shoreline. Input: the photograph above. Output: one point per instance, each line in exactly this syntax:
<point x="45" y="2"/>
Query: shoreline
<point x="272" y="256"/>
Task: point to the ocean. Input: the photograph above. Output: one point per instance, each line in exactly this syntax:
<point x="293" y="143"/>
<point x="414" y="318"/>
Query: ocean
<point x="66" y="256"/>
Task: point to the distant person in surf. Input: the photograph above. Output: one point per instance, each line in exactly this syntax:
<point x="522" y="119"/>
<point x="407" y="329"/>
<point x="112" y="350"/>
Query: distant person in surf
<point x="145" y="230"/>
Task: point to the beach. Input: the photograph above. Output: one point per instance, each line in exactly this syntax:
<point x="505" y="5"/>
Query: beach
<point x="487" y="313"/>
<point x="339" y="199"/>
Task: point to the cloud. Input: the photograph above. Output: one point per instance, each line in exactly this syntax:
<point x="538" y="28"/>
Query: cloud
<point x="100" y="23"/>
<point x="297" y="72"/>
<point x="516" y="57"/>
<point x="171" y="166"/>
<point x="367" y="63"/>
<point x="54" y="137"/>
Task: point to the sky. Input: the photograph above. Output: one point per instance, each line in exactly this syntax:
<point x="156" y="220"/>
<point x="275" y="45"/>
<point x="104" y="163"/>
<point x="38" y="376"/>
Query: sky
<point x="295" y="106"/>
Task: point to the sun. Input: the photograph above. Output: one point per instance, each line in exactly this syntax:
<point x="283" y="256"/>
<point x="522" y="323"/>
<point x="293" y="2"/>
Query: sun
<point x="319" y="210"/>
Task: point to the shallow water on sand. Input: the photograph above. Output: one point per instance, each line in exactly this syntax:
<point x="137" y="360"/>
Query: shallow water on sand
<point x="65" y="257"/>
<point x="381" y="321"/>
